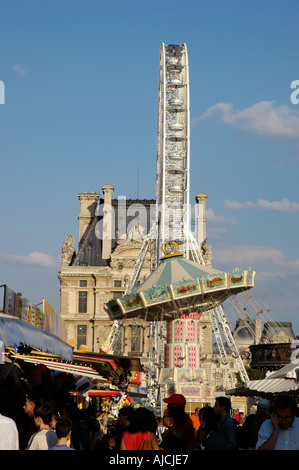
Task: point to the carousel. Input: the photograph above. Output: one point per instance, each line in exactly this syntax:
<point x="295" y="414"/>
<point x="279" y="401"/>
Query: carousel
<point x="173" y="298"/>
<point x="179" y="287"/>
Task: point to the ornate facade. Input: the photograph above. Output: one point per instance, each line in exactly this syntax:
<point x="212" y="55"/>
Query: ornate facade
<point x="101" y="268"/>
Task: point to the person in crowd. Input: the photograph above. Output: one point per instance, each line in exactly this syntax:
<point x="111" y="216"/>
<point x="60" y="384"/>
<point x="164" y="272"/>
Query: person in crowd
<point x="45" y="437"/>
<point x="238" y="416"/>
<point x="200" y="433"/>
<point x="26" y="425"/>
<point x="125" y="418"/>
<point x="160" y="428"/>
<point x="141" y="433"/>
<point x="208" y="437"/>
<point x="103" y="421"/>
<point x="281" y="431"/>
<point x="248" y="432"/>
<point x="9" y="435"/>
<point x="92" y="426"/>
<point x="195" y="419"/>
<point x="30" y="403"/>
<point x="63" y="431"/>
<point x="186" y="428"/>
<point x="227" y="426"/>
<point x="173" y="440"/>
<point x="111" y="441"/>
<point x="80" y="439"/>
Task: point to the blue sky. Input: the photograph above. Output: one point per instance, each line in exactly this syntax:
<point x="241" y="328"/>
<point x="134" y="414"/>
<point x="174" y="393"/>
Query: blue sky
<point x="80" y="111"/>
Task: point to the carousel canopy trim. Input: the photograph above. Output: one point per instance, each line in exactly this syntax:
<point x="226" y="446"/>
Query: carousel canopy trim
<point x="15" y="332"/>
<point x="180" y="286"/>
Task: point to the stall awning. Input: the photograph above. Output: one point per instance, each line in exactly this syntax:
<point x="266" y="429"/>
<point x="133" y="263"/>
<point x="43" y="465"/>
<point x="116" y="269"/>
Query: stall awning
<point x="97" y="371"/>
<point x="104" y="393"/>
<point x="282" y="380"/>
<point x="265" y="387"/>
<point x="115" y="393"/>
<point x="15" y="332"/>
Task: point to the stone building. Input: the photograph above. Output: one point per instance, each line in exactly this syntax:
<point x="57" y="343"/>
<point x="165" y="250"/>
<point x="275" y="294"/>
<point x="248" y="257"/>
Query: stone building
<point x="111" y="234"/>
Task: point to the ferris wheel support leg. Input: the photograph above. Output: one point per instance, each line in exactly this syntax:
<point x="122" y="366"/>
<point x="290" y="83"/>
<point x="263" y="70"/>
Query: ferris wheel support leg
<point x="221" y="348"/>
<point x="231" y="343"/>
<point x="141" y="258"/>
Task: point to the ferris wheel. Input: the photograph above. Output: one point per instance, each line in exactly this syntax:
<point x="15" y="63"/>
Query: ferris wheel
<point x="173" y="147"/>
<point x="173" y="152"/>
<point x="172" y="223"/>
<point x="173" y="212"/>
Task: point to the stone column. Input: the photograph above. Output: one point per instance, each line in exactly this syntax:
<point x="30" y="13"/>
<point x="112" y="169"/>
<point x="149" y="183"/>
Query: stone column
<point x="201" y="199"/>
<point x="258" y="330"/>
<point x="107" y="221"/>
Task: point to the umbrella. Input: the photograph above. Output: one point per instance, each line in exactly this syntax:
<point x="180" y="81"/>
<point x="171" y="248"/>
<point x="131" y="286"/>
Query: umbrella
<point x="179" y="286"/>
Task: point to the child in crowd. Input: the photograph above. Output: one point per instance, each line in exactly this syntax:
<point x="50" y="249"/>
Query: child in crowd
<point x="63" y="431"/>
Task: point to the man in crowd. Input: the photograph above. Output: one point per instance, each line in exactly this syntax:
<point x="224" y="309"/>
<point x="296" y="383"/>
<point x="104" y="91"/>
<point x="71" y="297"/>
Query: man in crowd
<point x="9" y="436"/>
<point x="227" y="425"/>
<point x="248" y="432"/>
<point x="45" y="437"/>
<point x="281" y="431"/>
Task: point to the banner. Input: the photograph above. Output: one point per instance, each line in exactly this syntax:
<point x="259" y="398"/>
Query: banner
<point x="10" y="302"/>
<point x="53" y="323"/>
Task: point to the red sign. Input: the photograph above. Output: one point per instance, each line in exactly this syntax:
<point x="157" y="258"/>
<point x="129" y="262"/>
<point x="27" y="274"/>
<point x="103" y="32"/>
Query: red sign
<point x="135" y="377"/>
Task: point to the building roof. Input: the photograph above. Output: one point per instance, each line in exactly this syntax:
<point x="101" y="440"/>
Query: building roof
<point x="244" y="333"/>
<point x="90" y="247"/>
<point x="273" y="328"/>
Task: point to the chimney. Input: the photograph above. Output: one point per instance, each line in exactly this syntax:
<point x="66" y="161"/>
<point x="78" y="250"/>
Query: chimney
<point x="258" y="330"/>
<point x="201" y="199"/>
<point x="108" y="190"/>
<point x="88" y="204"/>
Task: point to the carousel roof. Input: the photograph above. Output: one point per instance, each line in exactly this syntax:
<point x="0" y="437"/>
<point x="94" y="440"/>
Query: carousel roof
<point x="179" y="286"/>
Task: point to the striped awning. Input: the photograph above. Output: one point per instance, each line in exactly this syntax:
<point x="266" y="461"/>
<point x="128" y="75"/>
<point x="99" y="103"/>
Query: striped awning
<point x="273" y="385"/>
<point x="282" y="380"/>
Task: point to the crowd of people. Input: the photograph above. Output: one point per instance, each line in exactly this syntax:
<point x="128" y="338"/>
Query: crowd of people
<point x="46" y="417"/>
<point x="44" y="427"/>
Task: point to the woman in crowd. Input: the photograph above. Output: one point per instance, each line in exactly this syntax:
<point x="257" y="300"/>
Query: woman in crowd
<point x="141" y="433"/>
<point x="208" y="438"/>
<point x="173" y="440"/>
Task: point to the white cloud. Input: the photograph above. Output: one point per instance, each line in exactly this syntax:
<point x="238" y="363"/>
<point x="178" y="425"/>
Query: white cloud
<point x="293" y="266"/>
<point x="216" y="232"/>
<point x="262" y="118"/>
<point x="19" y="69"/>
<point x="284" y="205"/>
<point x="219" y="219"/>
<point x="266" y="277"/>
<point x="242" y="256"/>
<point x="35" y="258"/>
<point x="246" y="255"/>
<point x="238" y="205"/>
<point x="280" y="206"/>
